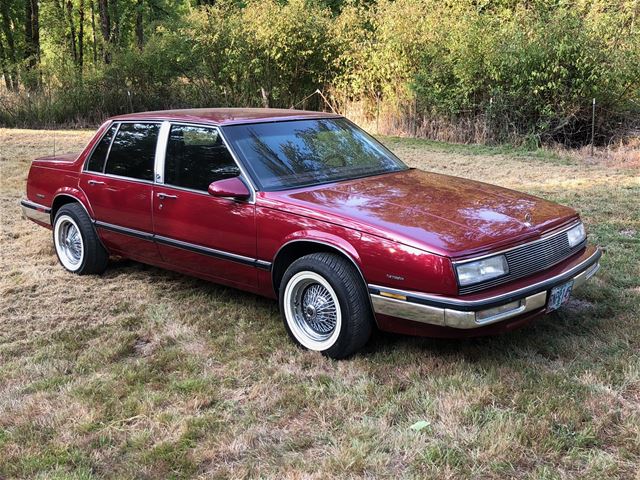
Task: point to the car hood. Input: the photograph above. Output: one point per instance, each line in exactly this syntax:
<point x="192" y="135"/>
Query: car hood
<point x="443" y="214"/>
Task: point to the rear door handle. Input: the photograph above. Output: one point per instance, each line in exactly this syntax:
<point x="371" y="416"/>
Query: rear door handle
<point x="95" y="182"/>
<point x="162" y="196"/>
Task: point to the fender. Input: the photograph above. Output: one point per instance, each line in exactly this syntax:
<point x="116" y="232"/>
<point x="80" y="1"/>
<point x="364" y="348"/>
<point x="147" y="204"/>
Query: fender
<point x="323" y="238"/>
<point x="329" y="239"/>
<point x="76" y="194"/>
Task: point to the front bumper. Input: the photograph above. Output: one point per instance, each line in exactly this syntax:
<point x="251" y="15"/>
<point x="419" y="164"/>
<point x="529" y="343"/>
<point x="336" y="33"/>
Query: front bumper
<point x="462" y="313"/>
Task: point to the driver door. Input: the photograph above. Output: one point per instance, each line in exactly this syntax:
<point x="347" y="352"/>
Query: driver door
<point x="196" y="232"/>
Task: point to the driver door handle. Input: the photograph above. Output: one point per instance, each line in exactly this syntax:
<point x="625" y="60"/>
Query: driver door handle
<point x="95" y="182"/>
<point x="162" y="196"/>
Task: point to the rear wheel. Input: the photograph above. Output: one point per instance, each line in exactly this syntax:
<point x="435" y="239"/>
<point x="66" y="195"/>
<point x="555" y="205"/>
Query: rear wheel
<point x="324" y="305"/>
<point x="77" y="245"/>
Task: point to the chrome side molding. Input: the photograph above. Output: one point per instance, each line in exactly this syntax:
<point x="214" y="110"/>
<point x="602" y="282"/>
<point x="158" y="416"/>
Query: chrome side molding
<point x="192" y="247"/>
<point x="42" y="214"/>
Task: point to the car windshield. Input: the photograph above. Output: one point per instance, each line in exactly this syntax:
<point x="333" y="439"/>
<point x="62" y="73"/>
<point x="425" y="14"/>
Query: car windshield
<point x="290" y="154"/>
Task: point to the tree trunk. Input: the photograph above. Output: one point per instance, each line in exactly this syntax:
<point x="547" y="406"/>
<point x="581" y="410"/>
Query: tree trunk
<point x="93" y="30"/>
<point x="139" y="24"/>
<point x="105" y="26"/>
<point x="115" y="22"/>
<point x="81" y="35"/>
<point x="3" y="67"/>
<point x="28" y="30"/>
<point x="265" y="97"/>
<point x="11" y="46"/>
<point x="72" y="30"/>
<point x="31" y="34"/>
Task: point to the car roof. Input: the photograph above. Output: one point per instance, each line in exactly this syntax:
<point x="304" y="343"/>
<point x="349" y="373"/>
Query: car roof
<point x="226" y="116"/>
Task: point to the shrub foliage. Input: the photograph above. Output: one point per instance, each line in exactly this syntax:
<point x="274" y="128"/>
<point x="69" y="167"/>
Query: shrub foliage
<point x="462" y="70"/>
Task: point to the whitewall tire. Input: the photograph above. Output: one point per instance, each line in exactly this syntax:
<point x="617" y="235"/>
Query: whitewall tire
<point x="69" y="243"/>
<point x="312" y="310"/>
<point x="325" y="305"/>
<point x="77" y="245"/>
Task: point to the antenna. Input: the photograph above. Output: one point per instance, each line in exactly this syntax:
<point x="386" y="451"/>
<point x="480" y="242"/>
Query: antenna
<point x="54" y="144"/>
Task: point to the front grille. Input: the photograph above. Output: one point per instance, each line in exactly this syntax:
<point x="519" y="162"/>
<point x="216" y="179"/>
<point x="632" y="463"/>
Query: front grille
<point x="531" y="258"/>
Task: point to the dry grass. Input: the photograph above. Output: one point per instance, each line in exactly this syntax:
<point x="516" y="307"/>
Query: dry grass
<point x="149" y="374"/>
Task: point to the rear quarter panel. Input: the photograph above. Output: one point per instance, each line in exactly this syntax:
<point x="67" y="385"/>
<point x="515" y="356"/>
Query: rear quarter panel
<point x="44" y="182"/>
<point x="59" y="174"/>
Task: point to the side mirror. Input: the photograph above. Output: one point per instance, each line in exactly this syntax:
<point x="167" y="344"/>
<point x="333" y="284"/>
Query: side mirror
<point x="229" y="188"/>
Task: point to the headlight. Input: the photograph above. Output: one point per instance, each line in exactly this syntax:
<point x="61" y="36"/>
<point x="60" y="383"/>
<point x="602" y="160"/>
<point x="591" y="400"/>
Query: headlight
<point x="576" y="235"/>
<point x="482" y="270"/>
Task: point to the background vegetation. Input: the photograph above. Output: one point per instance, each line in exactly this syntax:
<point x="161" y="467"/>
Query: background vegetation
<point x="463" y="70"/>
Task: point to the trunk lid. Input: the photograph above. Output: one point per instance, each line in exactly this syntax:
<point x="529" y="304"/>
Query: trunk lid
<point x="49" y="160"/>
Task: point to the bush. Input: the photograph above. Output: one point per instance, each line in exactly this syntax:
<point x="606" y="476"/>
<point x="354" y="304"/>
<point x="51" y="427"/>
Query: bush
<point x="521" y="70"/>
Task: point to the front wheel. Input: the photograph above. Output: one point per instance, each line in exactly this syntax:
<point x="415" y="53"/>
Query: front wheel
<point x="324" y="305"/>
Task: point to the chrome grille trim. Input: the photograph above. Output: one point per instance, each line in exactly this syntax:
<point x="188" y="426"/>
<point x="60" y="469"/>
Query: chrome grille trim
<point x="530" y="258"/>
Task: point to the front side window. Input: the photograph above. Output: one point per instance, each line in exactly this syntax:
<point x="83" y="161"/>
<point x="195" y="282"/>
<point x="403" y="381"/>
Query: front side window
<point x="133" y="151"/>
<point x="197" y="156"/>
<point x="290" y="154"/>
<point x="99" y="155"/>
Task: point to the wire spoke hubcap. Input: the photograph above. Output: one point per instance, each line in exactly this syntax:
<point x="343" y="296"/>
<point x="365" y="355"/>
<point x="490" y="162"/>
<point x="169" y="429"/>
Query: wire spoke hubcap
<point x="69" y="244"/>
<point x="318" y="309"/>
<point x="312" y="310"/>
<point x="72" y="243"/>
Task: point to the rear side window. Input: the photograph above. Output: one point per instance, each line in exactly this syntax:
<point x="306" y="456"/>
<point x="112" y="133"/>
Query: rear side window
<point x="197" y="156"/>
<point x="133" y="151"/>
<point x="96" y="161"/>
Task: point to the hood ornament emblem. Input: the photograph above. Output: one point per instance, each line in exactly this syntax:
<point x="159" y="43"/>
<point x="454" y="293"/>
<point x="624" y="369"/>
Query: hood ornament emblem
<point x="528" y="219"/>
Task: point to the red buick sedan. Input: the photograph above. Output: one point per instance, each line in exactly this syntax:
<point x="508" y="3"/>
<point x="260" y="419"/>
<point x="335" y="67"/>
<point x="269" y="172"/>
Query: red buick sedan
<point x="307" y="208"/>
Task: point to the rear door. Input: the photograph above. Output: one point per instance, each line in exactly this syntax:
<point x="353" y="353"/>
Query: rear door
<point x="118" y="181"/>
<point x="210" y="236"/>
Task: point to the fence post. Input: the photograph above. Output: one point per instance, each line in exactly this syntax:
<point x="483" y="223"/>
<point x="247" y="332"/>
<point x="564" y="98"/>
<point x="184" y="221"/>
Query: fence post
<point x="487" y="122"/>
<point x="377" y="113"/>
<point x="593" y="123"/>
<point x="415" y="117"/>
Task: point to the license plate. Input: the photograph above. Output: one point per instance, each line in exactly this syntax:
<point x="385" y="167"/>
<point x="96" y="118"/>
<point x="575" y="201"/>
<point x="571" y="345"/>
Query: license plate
<point x="558" y="295"/>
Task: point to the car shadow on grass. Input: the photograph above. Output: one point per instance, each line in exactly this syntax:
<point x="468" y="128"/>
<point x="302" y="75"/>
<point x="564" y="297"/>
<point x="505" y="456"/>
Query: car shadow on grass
<point x="562" y="334"/>
<point x="549" y="336"/>
<point x="179" y="283"/>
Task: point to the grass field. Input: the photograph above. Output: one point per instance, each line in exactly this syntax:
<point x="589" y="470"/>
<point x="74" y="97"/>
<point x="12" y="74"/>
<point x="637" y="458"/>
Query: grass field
<point x="150" y="374"/>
